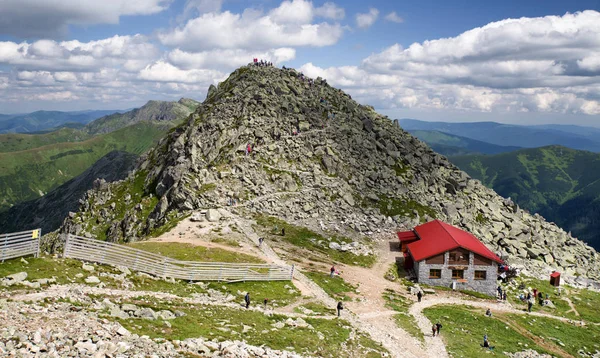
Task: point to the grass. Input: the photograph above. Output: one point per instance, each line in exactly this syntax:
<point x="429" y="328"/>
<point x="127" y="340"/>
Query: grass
<point x="27" y="173"/>
<point x="189" y="252"/>
<point x="317" y="308"/>
<point x="463" y="329"/>
<point x="585" y="301"/>
<point x="404" y="207"/>
<point x="403" y="319"/>
<point x="279" y="293"/>
<point x="476" y="294"/>
<point x="573" y="338"/>
<point x="328" y="338"/>
<point x="335" y="286"/>
<point x="307" y="239"/>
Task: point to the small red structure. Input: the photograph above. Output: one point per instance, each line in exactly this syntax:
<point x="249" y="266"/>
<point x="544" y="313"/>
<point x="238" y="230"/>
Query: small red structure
<point x="555" y="278"/>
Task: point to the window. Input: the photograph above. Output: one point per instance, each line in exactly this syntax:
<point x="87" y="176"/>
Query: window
<point x="459" y="256"/>
<point x="435" y="273"/>
<point x="458" y="273"/>
<point x="480" y="275"/>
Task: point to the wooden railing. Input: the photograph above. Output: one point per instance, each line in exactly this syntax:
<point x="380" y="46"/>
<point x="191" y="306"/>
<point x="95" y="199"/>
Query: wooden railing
<point x="19" y="244"/>
<point x="103" y="252"/>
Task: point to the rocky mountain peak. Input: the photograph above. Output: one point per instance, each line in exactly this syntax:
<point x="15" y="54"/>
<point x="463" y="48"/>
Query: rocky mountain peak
<point x="278" y="143"/>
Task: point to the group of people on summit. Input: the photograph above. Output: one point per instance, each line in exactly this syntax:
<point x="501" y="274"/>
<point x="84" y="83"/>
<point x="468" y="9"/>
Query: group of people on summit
<point x="262" y="63"/>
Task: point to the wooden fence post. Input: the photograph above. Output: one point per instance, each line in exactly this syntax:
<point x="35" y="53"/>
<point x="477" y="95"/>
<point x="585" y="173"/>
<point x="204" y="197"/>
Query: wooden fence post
<point x="66" y="249"/>
<point x="292" y="272"/>
<point x="37" y="253"/>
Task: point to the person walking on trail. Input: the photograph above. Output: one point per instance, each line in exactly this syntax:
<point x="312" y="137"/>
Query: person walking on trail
<point x="433" y="330"/>
<point x="340" y="307"/>
<point x="332" y="271"/>
<point x="529" y="304"/>
<point x="260" y="241"/>
<point x="438" y="326"/>
<point x="266" y="301"/>
<point x="248" y="149"/>
<point x="282" y="231"/>
<point x="247" y="299"/>
<point x="419" y="295"/>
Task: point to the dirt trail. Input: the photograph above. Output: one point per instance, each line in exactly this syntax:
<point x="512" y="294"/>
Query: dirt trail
<point x="572" y="306"/>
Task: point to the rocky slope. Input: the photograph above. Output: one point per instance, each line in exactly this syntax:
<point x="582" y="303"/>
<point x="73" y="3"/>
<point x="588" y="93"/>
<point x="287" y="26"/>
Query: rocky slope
<point x="153" y="111"/>
<point x="49" y="211"/>
<point x="349" y="171"/>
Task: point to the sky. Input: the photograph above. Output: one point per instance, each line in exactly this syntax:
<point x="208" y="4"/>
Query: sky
<point x="522" y="62"/>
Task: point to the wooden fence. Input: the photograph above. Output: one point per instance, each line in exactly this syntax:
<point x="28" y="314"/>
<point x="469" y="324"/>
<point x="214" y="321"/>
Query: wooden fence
<point x="19" y="244"/>
<point x="103" y="252"/>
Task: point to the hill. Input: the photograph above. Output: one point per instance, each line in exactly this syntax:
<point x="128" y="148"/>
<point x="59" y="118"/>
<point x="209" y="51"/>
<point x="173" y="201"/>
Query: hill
<point x="153" y="111"/>
<point x="561" y="184"/>
<point x="49" y="211"/>
<point x="29" y="174"/>
<point x="44" y="120"/>
<point x="452" y="145"/>
<point x="513" y="135"/>
<point x="349" y="172"/>
<point x="33" y="164"/>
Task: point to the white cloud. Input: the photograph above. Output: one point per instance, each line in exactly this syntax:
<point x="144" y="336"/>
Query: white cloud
<point x="290" y="24"/>
<point x="367" y="19"/>
<point x="547" y="64"/>
<point x="50" y="18"/>
<point x="227" y="58"/>
<point x="330" y="10"/>
<point x="393" y="17"/>
<point x="75" y="55"/>
<point x="165" y="72"/>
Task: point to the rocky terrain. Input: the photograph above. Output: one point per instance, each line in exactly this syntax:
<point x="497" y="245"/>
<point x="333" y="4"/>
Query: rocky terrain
<point x="153" y="111"/>
<point x="321" y="160"/>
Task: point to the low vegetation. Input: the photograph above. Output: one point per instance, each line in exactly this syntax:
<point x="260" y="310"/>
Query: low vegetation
<point x="189" y="252"/>
<point x="404" y="320"/>
<point x="335" y="286"/>
<point x="310" y="240"/>
<point x="463" y="328"/>
<point x="326" y="338"/>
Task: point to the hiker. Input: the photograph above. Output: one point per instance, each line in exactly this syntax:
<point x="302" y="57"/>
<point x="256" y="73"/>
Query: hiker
<point x="540" y="298"/>
<point x="433" y="330"/>
<point x="438" y="326"/>
<point x="248" y="149"/>
<point x="247" y="299"/>
<point x="504" y="296"/>
<point x="488" y="312"/>
<point x="486" y="343"/>
<point x="340" y="307"/>
<point x="419" y="295"/>
<point x="332" y="271"/>
<point x="529" y="304"/>
<point x="265" y="301"/>
<point x="282" y="231"/>
<point x="535" y="292"/>
<point x="500" y="292"/>
<point x="260" y="241"/>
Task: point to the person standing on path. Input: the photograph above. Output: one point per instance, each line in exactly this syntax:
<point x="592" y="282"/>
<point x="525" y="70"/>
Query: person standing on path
<point x="247" y="299"/>
<point x="438" y="326"/>
<point x="340" y="307"/>
<point x="529" y="304"/>
<point x="419" y="295"/>
<point x="260" y="241"/>
<point x="433" y="330"/>
<point x="332" y="271"/>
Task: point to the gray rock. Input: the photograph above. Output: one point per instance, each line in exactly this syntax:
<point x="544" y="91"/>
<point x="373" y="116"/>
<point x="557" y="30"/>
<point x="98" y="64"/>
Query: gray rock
<point x="213" y="215"/>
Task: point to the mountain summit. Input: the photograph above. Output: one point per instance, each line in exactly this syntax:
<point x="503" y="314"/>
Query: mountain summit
<point x="271" y="141"/>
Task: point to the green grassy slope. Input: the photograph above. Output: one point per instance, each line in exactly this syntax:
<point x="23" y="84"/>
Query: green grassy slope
<point x="18" y="142"/>
<point x="561" y="184"/>
<point x="28" y="174"/>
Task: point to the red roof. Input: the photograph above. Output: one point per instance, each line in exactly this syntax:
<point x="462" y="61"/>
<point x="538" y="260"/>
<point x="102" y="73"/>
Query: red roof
<point x="436" y="237"/>
<point x="405" y="236"/>
<point x="555" y="274"/>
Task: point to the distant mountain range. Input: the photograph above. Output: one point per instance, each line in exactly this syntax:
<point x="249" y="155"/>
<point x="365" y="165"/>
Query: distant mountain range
<point x="31" y="165"/>
<point x="559" y="183"/>
<point x="47" y="120"/>
<point x="452" y="145"/>
<point x="576" y="137"/>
